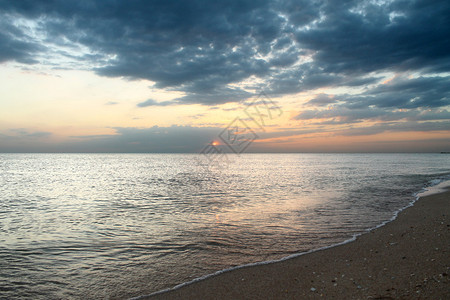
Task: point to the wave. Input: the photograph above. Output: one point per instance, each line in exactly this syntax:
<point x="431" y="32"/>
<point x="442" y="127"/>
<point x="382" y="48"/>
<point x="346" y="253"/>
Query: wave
<point x="434" y="186"/>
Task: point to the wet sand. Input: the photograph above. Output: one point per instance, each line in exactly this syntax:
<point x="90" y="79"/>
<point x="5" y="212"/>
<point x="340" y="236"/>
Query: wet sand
<point x="408" y="258"/>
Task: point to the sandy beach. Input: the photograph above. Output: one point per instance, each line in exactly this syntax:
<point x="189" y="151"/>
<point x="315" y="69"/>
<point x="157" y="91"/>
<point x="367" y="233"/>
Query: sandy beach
<point x="406" y="259"/>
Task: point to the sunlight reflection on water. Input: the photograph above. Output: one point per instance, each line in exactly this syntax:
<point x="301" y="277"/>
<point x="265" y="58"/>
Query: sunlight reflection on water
<point x="120" y="225"/>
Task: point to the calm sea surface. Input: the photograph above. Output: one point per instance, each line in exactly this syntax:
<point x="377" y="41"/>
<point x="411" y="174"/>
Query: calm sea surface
<point x="121" y="225"/>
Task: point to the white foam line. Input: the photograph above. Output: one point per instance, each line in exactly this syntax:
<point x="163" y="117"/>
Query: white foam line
<point x="438" y="186"/>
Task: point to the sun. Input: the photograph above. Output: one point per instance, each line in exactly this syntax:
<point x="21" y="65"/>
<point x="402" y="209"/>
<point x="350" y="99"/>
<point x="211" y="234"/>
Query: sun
<point x="215" y="143"/>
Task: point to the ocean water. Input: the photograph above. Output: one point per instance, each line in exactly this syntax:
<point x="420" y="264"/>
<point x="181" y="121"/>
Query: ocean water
<point x="77" y="226"/>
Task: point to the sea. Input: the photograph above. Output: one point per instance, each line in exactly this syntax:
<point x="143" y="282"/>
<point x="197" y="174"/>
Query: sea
<point x="118" y="226"/>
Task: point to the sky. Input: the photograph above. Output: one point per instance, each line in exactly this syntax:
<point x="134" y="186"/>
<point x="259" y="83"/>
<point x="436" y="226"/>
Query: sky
<point x="246" y="76"/>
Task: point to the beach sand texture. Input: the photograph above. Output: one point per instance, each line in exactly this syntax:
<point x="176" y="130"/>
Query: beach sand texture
<point x="406" y="259"/>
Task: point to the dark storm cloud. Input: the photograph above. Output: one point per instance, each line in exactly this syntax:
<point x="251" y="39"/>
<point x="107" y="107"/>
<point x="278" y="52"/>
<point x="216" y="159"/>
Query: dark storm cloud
<point x="202" y="47"/>
<point x="310" y="76"/>
<point x="359" y="36"/>
<point x="15" y="44"/>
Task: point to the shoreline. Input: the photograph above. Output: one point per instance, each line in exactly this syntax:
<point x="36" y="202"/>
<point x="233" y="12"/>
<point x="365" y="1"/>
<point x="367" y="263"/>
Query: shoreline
<point x="305" y="274"/>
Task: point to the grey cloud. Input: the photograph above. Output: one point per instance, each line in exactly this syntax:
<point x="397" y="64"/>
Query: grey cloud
<point x="403" y="93"/>
<point x="287" y="133"/>
<point x="182" y="139"/>
<point x="202" y="47"/>
<point x="343" y="115"/>
<point x="151" y="102"/>
<point x="402" y="98"/>
<point x="189" y="139"/>
<point x="396" y="127"/>
<point x="23" y="132"/>
<point x="153" y="139"/>
<point x="428" y="115"/>
<point x="39" y="134"/>
<point x="321" y="100"/>
<point x="412" y="93"/>
<point x="216" y="96"/>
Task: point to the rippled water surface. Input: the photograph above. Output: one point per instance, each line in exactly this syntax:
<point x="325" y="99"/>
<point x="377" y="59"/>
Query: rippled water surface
<point x="122" y="225"/>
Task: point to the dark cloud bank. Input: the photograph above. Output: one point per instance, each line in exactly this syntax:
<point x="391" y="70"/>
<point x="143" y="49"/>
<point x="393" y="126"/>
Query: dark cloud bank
<point x="202" y="48"/>
<point x="178" y="139"/>
<point x="190" y="139"/>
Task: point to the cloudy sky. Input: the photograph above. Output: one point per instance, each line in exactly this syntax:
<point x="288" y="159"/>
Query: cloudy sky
<point x="173" y="76"/>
